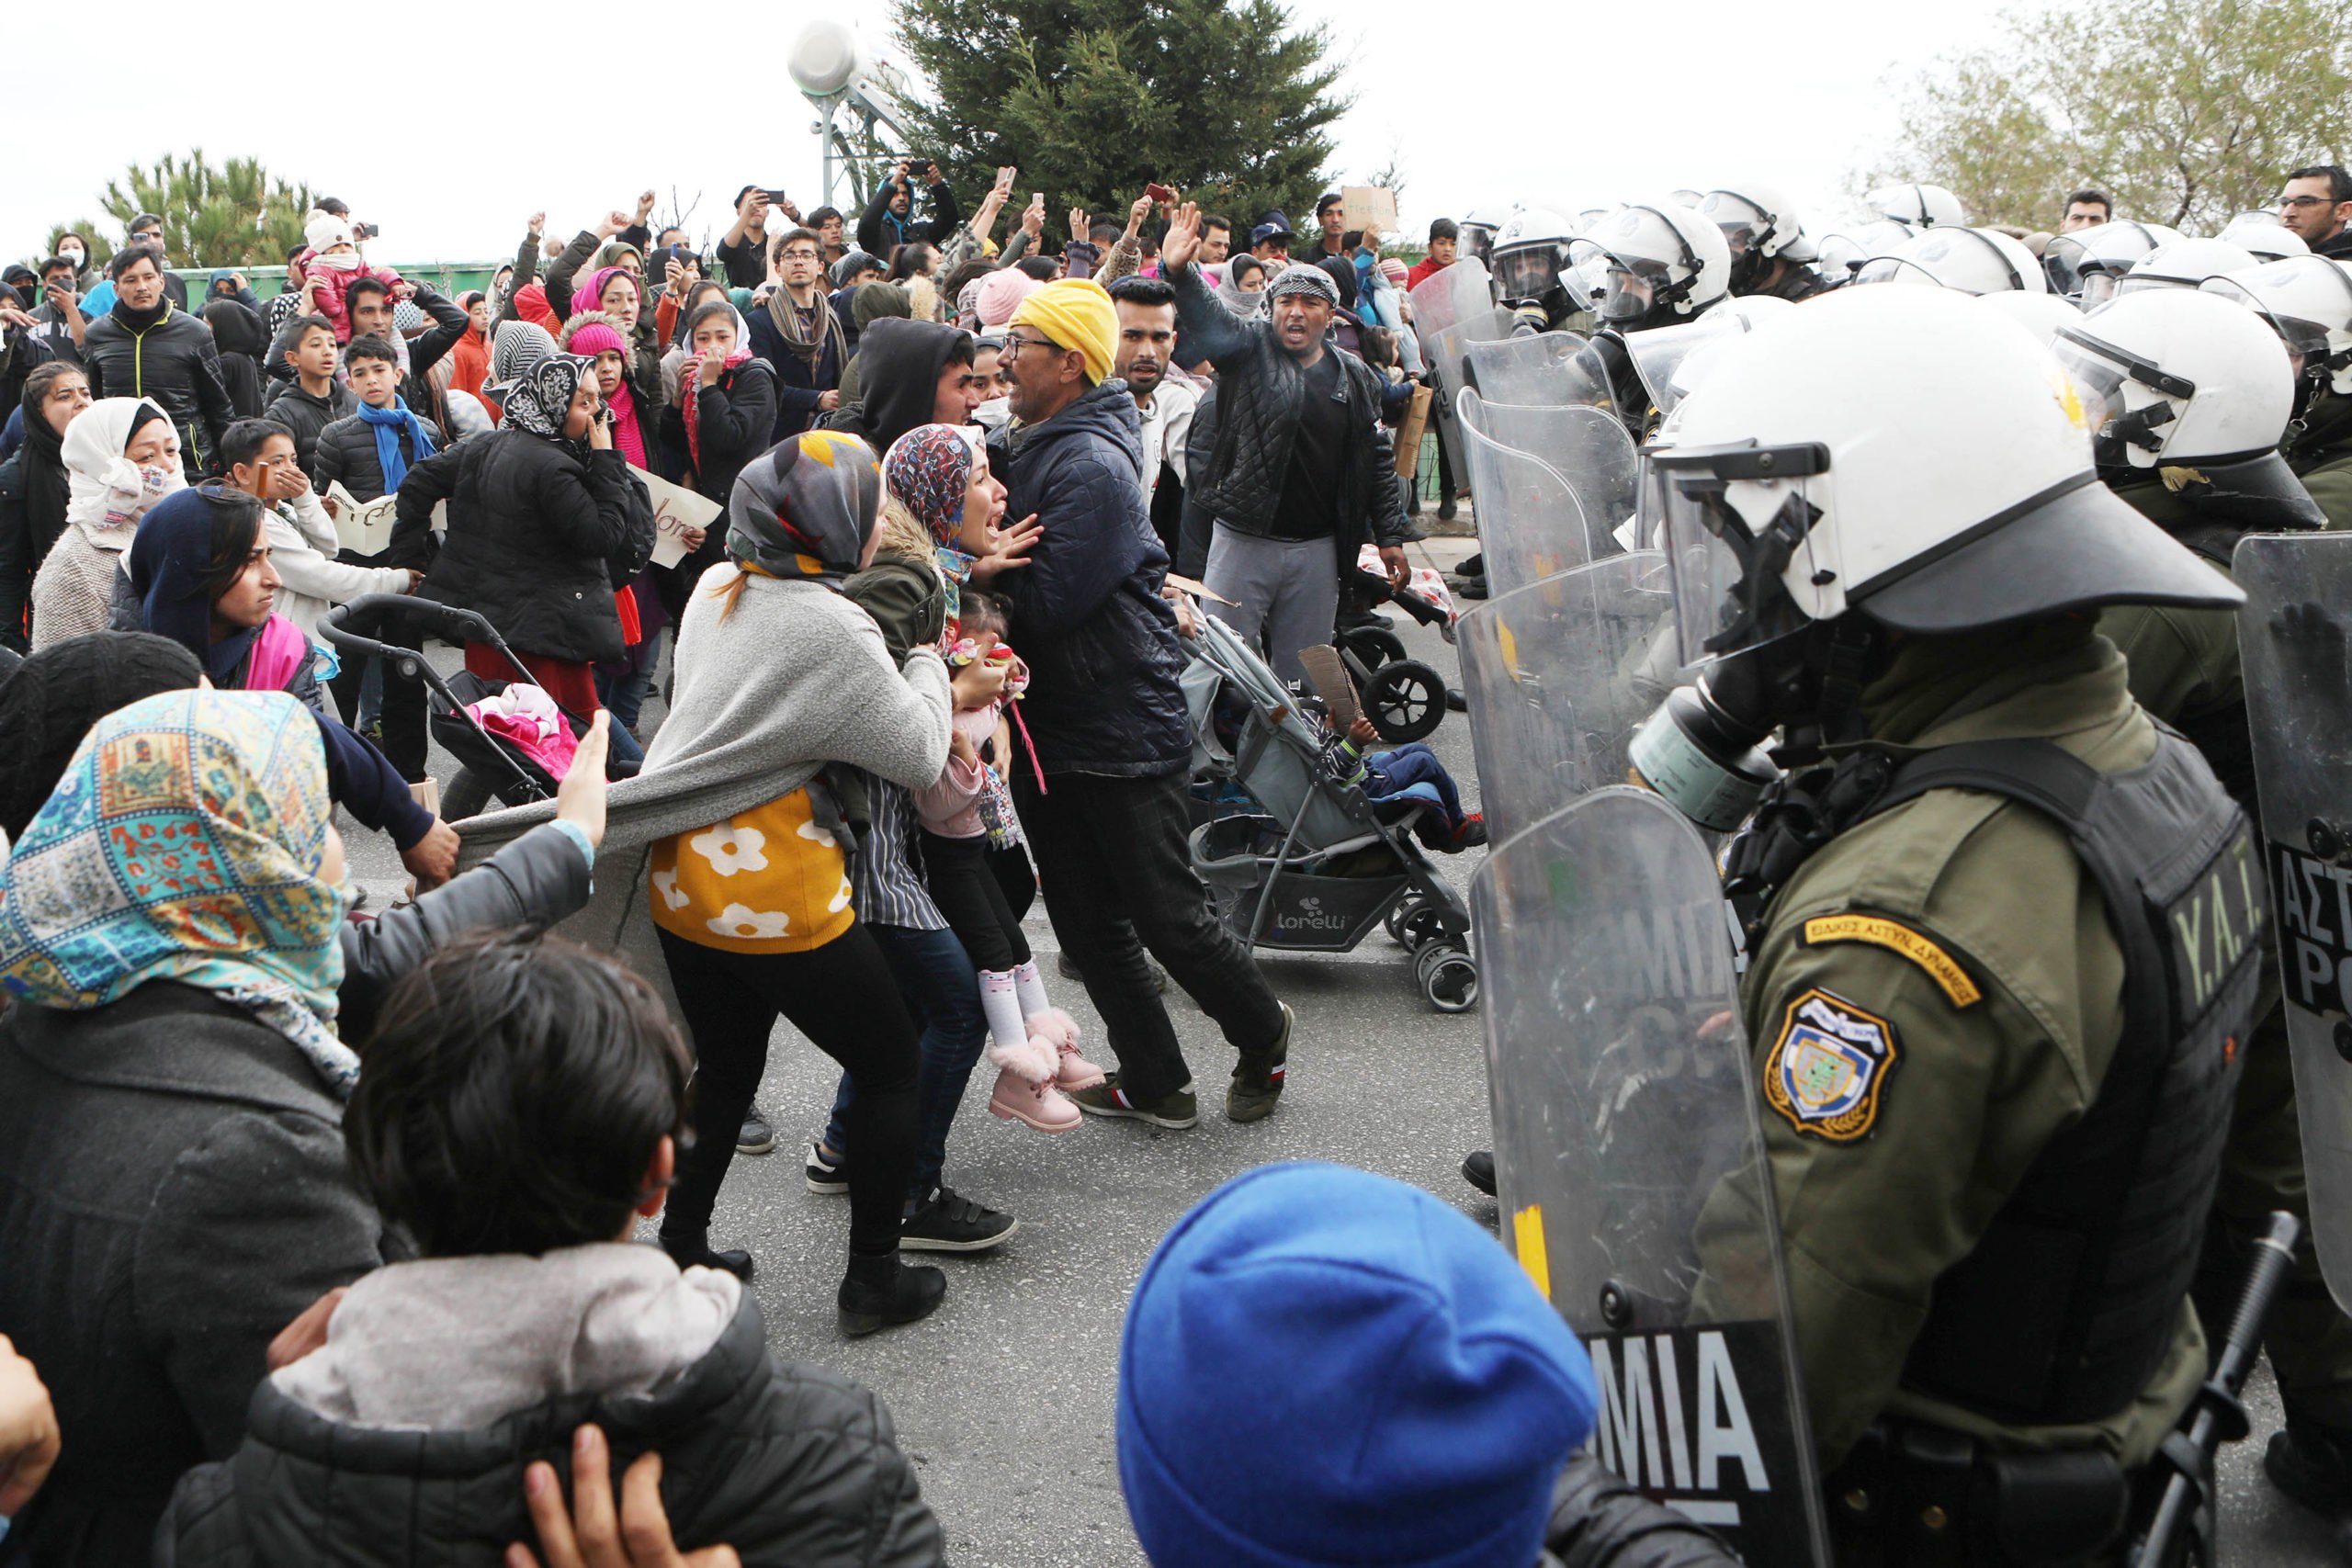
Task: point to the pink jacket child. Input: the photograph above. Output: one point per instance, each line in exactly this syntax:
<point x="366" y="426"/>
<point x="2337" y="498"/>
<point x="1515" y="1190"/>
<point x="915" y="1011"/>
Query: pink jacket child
<point x="335" y="261"/>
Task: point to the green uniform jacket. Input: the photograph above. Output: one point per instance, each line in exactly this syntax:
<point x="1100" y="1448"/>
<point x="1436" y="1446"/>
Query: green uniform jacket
<point x="2184" y="663"/>
<point x="1983" y="950"/>
<point x="2321" y="454"/>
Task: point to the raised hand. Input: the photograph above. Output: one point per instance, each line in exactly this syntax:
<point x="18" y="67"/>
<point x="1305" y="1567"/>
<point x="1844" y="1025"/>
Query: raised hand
<point x="1184" y="240"/>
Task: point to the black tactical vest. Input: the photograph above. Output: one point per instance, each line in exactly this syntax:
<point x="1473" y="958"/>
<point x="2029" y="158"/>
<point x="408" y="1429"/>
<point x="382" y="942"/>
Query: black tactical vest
<point x="2070" y="1300"/>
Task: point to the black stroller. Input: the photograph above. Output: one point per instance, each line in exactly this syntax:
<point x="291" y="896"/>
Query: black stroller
<point x="489" y="765"/>
<point x="1404" y="699"/>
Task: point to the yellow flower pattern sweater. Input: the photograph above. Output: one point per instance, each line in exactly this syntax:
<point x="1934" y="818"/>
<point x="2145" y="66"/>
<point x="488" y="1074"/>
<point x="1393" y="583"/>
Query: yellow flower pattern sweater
<point x="766" y="880"/>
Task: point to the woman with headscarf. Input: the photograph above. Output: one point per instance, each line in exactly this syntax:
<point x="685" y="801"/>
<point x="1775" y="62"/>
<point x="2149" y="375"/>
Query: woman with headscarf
<point x="618" y="293"/>
<point x="1243" y="292"/>
<point x="34" y="489"/>
<point x="121" y="457"/>
<point x="171" y="1094"/>
<point x="545" y="525"/>
<point x="199" y="565"/>
<point x="238" y="334"/>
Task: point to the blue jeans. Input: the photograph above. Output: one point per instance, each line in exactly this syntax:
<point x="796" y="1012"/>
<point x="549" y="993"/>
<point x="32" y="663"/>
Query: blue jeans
<point x="1410" y="764"/>
<point x="625" y="694"/>
<point x="940" y="988"/>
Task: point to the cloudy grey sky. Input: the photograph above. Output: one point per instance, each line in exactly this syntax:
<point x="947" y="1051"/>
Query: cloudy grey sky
<point x="1487" y="100"/>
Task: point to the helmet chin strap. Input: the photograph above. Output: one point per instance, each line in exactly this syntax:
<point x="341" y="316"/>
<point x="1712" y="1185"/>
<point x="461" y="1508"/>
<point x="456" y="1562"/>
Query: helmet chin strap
<point x="2138" y="428"/>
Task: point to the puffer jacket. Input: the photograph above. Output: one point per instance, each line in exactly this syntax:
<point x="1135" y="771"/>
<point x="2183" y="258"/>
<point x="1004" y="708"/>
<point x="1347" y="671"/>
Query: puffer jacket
<point x="1260" y="386"/>
<point x="1086" y="612"/>
<point x="346" y="455"/>
<point x="541" y="532"/>
<point x="790" y="1464"/>
<point x="174" y="361"/>
<point x="305" y="416"/>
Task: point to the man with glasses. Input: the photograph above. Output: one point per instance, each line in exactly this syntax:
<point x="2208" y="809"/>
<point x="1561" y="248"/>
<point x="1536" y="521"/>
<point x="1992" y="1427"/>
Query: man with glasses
<point x="1103" y="802"/>
<point x="2317" y="204"/>
<point x="795" y="332"/>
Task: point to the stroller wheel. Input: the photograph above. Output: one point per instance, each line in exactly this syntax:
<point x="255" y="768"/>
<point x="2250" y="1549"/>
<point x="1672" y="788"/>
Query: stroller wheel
<point x="1449" y="978"/>
<point x="1405" y="701"/>
<point x="466" y="794"/>
<point x="1394" y="919"/>
<point x="1374" y="646"/>
<point x="1420" y="926"/>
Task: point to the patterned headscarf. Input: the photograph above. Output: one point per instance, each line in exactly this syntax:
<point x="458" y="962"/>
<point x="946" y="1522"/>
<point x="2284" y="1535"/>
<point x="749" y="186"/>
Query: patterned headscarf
<point x="517" y="346"/>
<point x="540" y="400"/>
<point x="806" y="508"/>
<point x="184" y="843"/>
<point x="928" y="469"/>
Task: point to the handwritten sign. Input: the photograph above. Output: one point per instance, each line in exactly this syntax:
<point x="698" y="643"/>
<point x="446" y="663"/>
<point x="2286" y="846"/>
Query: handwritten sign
<point x="677" y="510"/>
<point x="1368" y="206"/>
<point x="366" y="529"/>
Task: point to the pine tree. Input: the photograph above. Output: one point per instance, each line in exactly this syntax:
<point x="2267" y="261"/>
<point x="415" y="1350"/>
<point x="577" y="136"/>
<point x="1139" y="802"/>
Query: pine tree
<point x="1093" y="98"/>
<point x="233" y="215"/>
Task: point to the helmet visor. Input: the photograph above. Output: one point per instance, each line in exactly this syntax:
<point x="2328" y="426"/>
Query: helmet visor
<point x="1528" y="273"/>
<point x="1743" y="224"/>
<point x="2098" y="288"/>
<point x="1734" y="520"/>
<point x="1896" y="269"/>
<point x="2062" y="263"/>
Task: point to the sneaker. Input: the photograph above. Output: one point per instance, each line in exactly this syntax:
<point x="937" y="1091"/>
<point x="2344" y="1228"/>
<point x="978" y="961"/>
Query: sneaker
<point x="1257" y="1083"/>
<point x="823" y="1175"/>
<point x="1446" y="509"/>
<point x="2312" y="1464"/>
<point x="1472" y="833"/>
<point x="951" y="1223"/>
<point x="1067" y="967"/>
<point x="1040" y="1106"/>
<point x="880" y="1292"/>
<point x="757" y="1137"/>
<point x="1179" y="1108"/>
<point x="1478" y="1171"/>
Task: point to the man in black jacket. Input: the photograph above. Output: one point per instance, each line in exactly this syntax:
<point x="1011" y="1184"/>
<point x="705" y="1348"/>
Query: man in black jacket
<point x="1107" y="821"/>
<point x="889" y="221"/>
<point x="1301" y="470"/>
<point x="2317" y="205"/>
<point x="146" y="348"/>
<point x="910" y="373"/>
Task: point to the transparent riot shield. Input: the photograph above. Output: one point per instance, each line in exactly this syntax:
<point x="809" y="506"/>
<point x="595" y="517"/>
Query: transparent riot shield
<point x="1629" y="1165"/>
<point x="1536" y="370"/>
<point x="1550" y="486"/>
<point x="1557" y="674"/>
<point x="2292" y="637"/>
<point x="1452" y="310"/>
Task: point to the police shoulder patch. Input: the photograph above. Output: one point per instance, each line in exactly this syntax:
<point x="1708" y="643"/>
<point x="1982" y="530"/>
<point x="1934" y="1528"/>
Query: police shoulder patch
<point x="1949" y="976"/>
<point x="1828" y="1069"/>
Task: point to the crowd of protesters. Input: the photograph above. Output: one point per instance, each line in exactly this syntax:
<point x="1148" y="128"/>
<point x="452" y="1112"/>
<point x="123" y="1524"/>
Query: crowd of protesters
<point x="928" y="445"/>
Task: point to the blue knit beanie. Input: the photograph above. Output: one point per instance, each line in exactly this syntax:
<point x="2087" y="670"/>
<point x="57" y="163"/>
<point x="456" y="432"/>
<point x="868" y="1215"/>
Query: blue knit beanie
<point x="1321" y="1366"/>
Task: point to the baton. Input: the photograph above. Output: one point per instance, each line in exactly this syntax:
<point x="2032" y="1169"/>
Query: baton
<point x="2173" y="1535"/>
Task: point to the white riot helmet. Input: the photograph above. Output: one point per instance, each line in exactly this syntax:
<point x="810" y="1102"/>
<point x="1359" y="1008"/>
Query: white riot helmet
<point x="1660" y="262"/>
<point x="1663" y="357"/>
<point x="1818" y="490"/>
<point x="2185" y="264"/>
<point x="2176" y="377"/>
<point x="1530" y="257"/>
<point x="1837" y="256"/>
<point x="1973" y="261"/>
<point x="2043" y="315"/>
<point x="2307" y="300"/>
<point x="1917" y="207"/>
<point x="2087" y="265"/>
<point x="2262" y="233"/>
<point x="1477" y="231"/>
<point x="1758" y="222"/>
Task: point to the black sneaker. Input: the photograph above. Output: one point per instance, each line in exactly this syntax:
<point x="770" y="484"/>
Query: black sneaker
<point x="1256" y="1085"/>
<point x="950" y="1223"/>
<point x="1067" y="967"/>
<point x="1478" y="1171"/>
<point x="757" y="1137"/>
<point x="2312" y="1464"/>
<point x="822" y="1175"/>
<point x="880" y="1292"/>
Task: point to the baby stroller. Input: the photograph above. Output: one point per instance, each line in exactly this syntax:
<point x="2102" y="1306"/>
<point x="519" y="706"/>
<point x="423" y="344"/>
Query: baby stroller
<point x="1320" y="865"/>
<point x="489" y="765"/>
<point x="1405" y="698"/>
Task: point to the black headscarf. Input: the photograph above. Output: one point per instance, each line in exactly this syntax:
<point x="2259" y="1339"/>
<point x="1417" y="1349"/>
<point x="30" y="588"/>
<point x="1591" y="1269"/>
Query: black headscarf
<point x="42" y="468"/>
<point x="238" y="333"/>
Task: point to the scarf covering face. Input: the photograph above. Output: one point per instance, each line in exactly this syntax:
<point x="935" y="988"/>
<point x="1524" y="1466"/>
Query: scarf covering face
<point x="107" y="493"/>
<point x="690" y="390"/>
<point x="388" y="423"/>
<point x="822" y="328"/>
<point x="806" y="508"/>
<point x="593" y="338"/>
<point x="540" y="400"/>
<point x="185" y="842"/>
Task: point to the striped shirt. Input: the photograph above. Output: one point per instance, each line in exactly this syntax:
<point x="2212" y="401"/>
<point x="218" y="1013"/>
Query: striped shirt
<point x="886" y="887"/>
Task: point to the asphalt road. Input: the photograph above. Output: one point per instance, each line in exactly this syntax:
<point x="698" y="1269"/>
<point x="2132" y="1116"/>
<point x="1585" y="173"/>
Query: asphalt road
<point x="1004" y="1397"/>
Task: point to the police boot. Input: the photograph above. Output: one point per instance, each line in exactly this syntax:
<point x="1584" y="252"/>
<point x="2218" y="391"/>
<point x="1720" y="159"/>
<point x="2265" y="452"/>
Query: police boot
<point x="2311" y="1462"/>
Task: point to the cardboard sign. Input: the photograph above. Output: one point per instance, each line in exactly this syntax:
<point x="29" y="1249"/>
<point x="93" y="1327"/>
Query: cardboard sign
<point x="675" y="509"/>
<point x="1410" y="430"/>
<point x="1372" y="205"/>
<point x="367" y="529"/>
<point x="1331" y="683"/>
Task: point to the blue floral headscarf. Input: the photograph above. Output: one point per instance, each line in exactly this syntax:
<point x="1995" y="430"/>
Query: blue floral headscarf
<point x="184" y="843"/>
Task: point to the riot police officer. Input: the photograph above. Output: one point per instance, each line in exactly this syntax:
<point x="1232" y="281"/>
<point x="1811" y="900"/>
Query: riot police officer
<point x="1529" y="262"/>
<point x="1763" y="230"/>
<point x="1650" y="264"/>
<point x="2004" y="930"/>
<point x="2308" y="301"/>
<point x="2192" y="388"/>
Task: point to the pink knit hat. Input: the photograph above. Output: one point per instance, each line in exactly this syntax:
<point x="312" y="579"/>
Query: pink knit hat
<point x="593" y="338"/>
<point x="1394" y="271"/>
<point x="1002" y="294"/>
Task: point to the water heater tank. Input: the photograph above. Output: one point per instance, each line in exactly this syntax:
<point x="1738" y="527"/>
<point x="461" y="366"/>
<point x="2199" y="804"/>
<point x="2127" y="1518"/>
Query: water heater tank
<point x="825" y="59"/>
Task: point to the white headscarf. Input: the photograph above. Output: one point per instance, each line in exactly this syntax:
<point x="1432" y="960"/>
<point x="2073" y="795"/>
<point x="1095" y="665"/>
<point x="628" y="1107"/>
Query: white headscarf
<point x="108" y="494"/>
